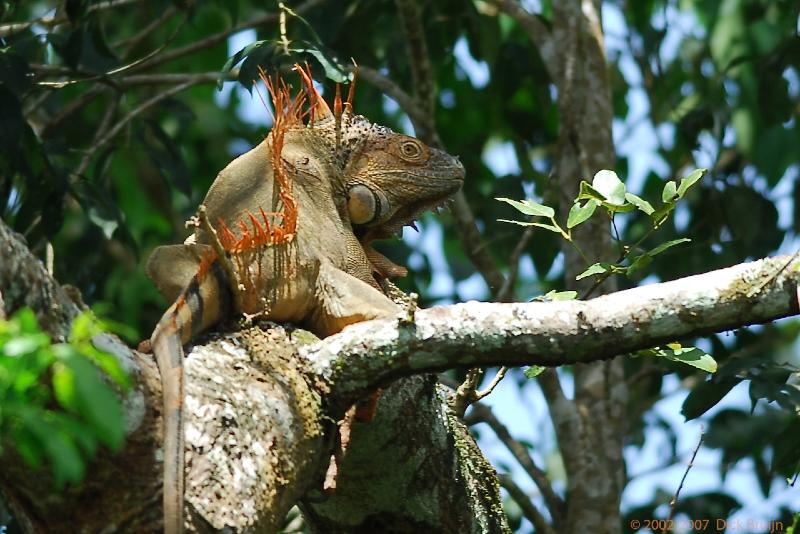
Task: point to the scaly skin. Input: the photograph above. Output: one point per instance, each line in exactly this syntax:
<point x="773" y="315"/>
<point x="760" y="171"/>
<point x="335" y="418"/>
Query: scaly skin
<point x="341" y="171"/>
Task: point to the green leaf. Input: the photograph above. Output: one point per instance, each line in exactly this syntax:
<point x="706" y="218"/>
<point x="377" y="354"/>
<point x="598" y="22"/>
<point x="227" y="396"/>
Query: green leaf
<point x="550" y="227"/>
<point x="24" y="345"/>
<point x="689" y="181"/>
<point x="265" y="57"/>
<point x="608" y="184"/>
<point x="640" y="203"/>
<point x="787" y="449"/>
<point x="588" y="192"/>
<point x="660" y="215"/>
<point x="640" y="262"/>
<point x="529" y="207"/>
<point x="669" y="192"/>
<point x="99" y="207"/>
<point x="64" y="387"/>
<point x="556" y="296"/>
<point x="237" y="57"/>
<point x="688" y="355"/>
<point x="597" y="268"/>
<point x="664" y="246"/>
<point x="533" y="371"/>
<point x="706" y="395"/>
<point x="58" y="448"/>
<point x="333" y="68"/>
<point x="98" y="403"/>
<point x="579" y="214"/>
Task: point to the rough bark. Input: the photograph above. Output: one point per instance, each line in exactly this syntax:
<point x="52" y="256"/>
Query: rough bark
<point x="259" y="433"/>
<point x="413" y="468"/>
<point x="554" y="333"/>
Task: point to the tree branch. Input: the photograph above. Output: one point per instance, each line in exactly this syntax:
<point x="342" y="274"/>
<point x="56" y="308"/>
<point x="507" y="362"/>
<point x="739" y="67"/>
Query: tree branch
<point x="483" y="414"/>
<point x="17" y="27"/>
<point x="421" y="72"/>
<point x="394" y="91"/>
<point x="525" y="504"/>
<point x="211" y="40"/>
<point x="554" y="333"/>
<point x="97" y="144"/>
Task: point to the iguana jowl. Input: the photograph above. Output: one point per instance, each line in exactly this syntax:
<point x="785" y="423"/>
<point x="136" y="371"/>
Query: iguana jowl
<point x="298" y="201"/>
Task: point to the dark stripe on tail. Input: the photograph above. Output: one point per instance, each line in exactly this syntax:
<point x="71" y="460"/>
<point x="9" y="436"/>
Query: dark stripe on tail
<point x="194" y="299"/>
<point x="225" y="297"/>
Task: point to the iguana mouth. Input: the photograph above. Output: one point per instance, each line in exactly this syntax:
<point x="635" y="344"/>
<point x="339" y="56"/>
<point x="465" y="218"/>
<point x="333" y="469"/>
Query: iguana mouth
<point x="405" y="217"/>
<point x="383" y="266"/>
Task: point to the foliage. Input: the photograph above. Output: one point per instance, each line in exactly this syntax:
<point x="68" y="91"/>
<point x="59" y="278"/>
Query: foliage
<point x="55" y="403"/>
<point x="695" y="84"/>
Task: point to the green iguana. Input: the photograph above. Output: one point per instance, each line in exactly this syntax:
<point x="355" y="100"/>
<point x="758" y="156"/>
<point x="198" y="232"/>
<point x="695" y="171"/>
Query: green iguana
<point x="306" y="204"/>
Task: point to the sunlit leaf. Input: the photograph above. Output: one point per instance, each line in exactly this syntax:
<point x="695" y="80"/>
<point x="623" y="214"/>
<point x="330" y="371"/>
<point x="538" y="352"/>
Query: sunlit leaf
<point x="669" y="192"/>
<point x="669" y="244"/>
<point x="533" y="371"/>
<point x="640" y="203"/>
<point x="530" y="207"/>
<point x="580" y="213"/>
<point x="597" y="268"/>
<point x="561" y="295"/>
<point x="608" y="184"/>
<point x="689" y="180"/>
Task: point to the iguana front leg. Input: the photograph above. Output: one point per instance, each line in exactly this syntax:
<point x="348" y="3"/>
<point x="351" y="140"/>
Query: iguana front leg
<point x="343" y="300"/>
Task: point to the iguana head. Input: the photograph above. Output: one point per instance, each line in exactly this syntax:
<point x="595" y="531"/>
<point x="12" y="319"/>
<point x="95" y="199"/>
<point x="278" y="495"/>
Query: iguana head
<point x="391" y="178"/>
<point x="386" y="179"/>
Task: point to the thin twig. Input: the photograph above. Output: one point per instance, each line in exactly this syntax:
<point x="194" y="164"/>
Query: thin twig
<point x="79" y="102"/>
<point x="425" y="128"/>
<point x="282" y="27"/>
<point x="61" y="17"/>
<point x="506" y="291"/>
<point x="466" y="391"/>
<point x="141" y="108"/>
<point x="474" y="245"/>
<point x="526" y="505"/>
<point x="177" y="77"/>
<point x="49" y="257"/>
<point x="395" y="92"/>
<point x="421" y="72"/>
<point x="211" y="40"/>
<point x="501" y="373"/>
<point x="102" y="129"/>
<point x="130" y="43"/>
<point x="107" y="77"/>
<point x="673" y="503"/>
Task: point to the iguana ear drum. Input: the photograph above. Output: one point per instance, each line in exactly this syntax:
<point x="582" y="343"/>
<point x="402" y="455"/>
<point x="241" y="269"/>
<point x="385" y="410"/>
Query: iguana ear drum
<point x="364" y="205"/>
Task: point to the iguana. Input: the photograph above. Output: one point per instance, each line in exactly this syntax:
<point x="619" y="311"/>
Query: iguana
<point x="306" y="203"/>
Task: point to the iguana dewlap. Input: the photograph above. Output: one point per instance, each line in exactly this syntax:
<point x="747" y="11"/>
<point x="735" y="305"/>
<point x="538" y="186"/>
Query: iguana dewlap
<point x="288" y="213"/>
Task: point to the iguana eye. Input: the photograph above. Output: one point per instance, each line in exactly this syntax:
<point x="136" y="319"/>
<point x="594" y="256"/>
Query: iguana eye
<point x="410" y="150"/>
<point x="363" y="205"/>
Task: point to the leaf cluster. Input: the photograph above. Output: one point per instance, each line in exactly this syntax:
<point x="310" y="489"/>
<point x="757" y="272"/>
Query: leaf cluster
<point x="58" y="402"/>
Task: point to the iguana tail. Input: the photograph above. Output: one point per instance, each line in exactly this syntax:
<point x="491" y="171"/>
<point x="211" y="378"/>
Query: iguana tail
<point x="202" y="304"/>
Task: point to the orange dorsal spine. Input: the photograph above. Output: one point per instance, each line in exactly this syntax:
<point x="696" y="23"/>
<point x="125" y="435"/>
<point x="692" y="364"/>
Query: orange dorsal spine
<point x="279" y="227"/>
